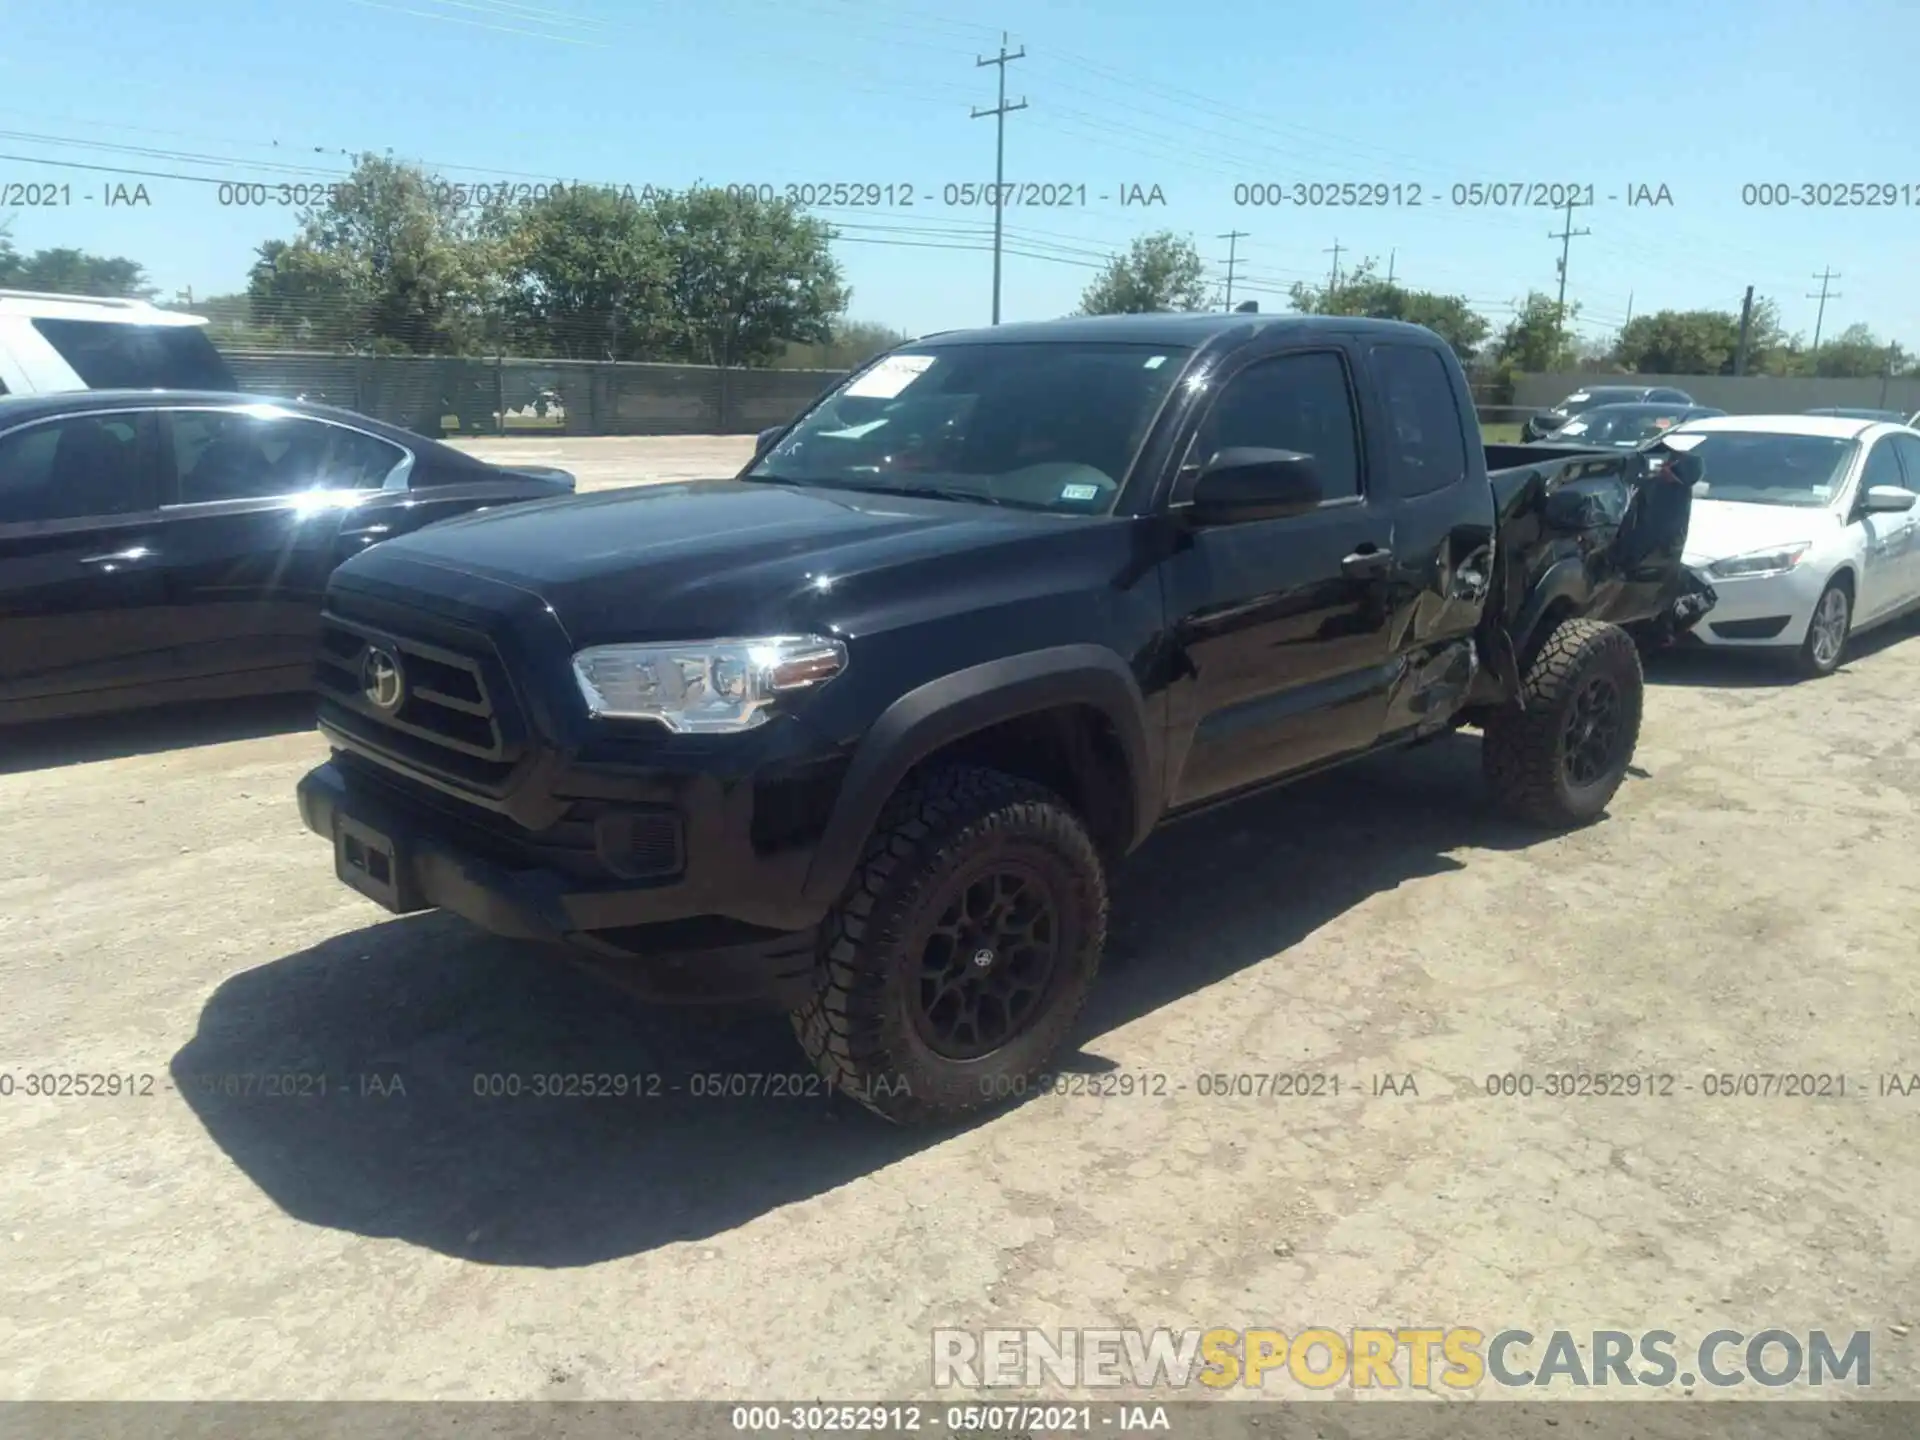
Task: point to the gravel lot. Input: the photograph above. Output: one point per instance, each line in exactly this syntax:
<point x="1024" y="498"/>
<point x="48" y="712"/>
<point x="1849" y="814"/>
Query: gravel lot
<point x="1749" y="905"/>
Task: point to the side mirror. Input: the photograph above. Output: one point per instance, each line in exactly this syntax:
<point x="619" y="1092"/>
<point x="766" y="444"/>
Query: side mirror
<point x="1236" y="486"/>
<point x="763" y="442"/>
<point x="1887" y="500"/>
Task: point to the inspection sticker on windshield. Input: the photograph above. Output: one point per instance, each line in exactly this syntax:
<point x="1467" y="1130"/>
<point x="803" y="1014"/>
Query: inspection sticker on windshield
<point x="1156" y="362"/>
<point x="1079" y="492"/>
<point x="891" y="376"/>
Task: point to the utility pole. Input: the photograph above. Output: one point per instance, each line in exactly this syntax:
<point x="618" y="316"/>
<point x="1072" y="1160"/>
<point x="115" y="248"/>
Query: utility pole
<point x="1233" y="239"/>
<point x="1333" y="275"/>
<point x="1824" y="277"/>
<point x="1629" y="320"/>
<point x="1566" y="238"/>
<point x="999" y="112"/>
<point x="1391" y="254"/>
<point x="1746" y="333"/>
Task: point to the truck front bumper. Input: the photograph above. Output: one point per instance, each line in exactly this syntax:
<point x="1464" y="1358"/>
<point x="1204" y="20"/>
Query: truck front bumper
<point x="637" y="935"/>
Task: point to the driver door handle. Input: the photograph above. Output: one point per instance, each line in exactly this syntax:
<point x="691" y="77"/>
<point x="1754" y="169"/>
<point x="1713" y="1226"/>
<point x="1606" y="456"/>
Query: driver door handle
<point x="118" y="557"/>
<point x="1367" y="563"/>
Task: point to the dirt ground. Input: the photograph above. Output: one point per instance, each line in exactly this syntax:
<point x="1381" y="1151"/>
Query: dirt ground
<point x="1750" y="904"/>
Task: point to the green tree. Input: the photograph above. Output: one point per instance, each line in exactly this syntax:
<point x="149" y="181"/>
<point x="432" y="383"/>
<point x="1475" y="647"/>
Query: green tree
<point x="1162" y="271"/>
<point x="586" y="275"/>
<point x="74" y="272"/>
<point x="745" y="276"/>
<point x="1680" y="342"/>
<point x="1704" y="342"/>
<point x="1365" y="293"/>
<point x="851" y="344"/>
<point x="1856" y="353"/>
<point x="1539" y="338"/>
<point x="394" y="261"/>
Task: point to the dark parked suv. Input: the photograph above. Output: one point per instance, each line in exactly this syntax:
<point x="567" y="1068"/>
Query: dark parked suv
<point x="865" y="730"/>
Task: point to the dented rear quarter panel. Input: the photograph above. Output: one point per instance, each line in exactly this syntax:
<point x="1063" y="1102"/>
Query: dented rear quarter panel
<point x="1596" y="534"/>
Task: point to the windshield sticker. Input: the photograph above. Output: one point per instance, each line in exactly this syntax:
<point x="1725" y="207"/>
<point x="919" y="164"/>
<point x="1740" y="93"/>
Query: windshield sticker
<point x="1079" y="492"/>
<point x="854" y="432"/>
<point x="890" y="376"/>
<point x="1156" y="362"/>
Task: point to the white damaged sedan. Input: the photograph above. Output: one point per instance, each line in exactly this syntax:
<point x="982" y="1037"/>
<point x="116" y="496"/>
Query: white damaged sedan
<point x="1807" y="528"/>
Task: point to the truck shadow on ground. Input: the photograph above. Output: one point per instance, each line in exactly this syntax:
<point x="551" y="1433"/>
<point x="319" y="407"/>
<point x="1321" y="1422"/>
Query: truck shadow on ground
<point x="414" y="1024"/>
<point x="1701" y="668"/>
<point x="49" y="744"/>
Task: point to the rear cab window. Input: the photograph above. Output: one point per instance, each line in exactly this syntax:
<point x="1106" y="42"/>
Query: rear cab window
<point x="116" y="356"/>
<point x="1426" y="447"/>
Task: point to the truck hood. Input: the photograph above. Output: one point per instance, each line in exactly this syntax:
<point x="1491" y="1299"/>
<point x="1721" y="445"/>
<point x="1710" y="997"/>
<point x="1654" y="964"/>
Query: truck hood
<point x="1721" y="529"/>
<point x="664" y="562"/>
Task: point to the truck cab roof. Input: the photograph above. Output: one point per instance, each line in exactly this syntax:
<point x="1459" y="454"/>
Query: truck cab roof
<point x="1189" y="329"/>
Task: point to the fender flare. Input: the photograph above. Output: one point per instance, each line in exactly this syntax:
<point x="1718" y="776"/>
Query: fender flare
<point x="1565" y="580"/>
<point x="954" y="706"/>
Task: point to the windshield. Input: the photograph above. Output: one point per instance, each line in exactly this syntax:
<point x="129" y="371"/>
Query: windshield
<point x="1750" y="468"/>
<point x="1049" y="426"/>
<point x="1583" y="400"/>
<point x="1623" y="428"/>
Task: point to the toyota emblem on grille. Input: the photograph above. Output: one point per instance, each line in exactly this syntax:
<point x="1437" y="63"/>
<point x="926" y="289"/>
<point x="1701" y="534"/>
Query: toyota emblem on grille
<point x="380" y="679"/>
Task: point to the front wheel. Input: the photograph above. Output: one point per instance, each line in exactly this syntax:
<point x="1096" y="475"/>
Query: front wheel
<point x="1819" y="654"/>
<point x="1558" y="759"/>
<point x="955" y="964"/>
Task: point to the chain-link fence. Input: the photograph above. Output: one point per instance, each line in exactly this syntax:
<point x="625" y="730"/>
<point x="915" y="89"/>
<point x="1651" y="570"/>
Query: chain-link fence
<point x="450" y="395"/>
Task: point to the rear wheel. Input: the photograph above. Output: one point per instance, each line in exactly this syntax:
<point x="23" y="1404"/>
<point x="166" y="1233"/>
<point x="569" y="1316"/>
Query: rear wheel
<point x="1558" y="759"/>
<point x="957" y="961"/>
<point x="1819" y="654"/>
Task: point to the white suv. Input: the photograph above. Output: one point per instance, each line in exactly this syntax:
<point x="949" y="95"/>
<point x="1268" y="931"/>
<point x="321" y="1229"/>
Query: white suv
<point x="79" y="342"/>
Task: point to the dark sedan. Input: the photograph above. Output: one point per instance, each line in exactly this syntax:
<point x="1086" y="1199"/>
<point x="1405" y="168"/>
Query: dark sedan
<point x="1580" y="401"/>
<point x="161" y="546"/>
<point x="1626" y="426"/>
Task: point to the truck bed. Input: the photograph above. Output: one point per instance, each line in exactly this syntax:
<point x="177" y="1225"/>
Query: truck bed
<point x="1592" y="531"/>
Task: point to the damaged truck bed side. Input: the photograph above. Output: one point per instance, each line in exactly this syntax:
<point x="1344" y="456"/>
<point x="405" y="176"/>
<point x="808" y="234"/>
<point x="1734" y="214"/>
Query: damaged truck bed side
<point x="864" y="730"/>
<point x="1590" y="533"/>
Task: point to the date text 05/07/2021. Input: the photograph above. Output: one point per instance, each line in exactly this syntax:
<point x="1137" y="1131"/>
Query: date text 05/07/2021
<point x="1009" y="1420"/>
<point x="825" y="194"/>
<point x="1463" y="195"/>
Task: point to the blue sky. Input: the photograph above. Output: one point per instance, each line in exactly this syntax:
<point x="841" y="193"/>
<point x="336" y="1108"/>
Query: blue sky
<point x="1701" y="96"/>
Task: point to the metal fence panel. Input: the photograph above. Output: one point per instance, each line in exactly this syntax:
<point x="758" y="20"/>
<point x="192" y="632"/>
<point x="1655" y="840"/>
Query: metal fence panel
<point x="1738" y="394"/>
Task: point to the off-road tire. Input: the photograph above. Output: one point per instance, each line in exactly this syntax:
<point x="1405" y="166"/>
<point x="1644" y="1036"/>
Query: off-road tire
<point x="1524" y="753"/>
<point x="858" y="1027"/>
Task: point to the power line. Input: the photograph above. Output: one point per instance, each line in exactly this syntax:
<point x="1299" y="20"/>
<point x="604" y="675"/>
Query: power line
<point x="1233" y="239"/>
<point x="1825" y="277"/>
<point x="999" y="113"/>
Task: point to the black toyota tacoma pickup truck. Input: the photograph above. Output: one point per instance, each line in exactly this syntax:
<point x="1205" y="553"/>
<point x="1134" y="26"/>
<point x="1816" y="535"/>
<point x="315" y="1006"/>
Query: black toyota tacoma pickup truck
<point x="864" y="730"/>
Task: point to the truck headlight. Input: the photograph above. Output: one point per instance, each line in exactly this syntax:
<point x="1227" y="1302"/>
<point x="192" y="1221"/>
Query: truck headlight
<point x="703" y="687"/>
<point x="1759" y="563"/>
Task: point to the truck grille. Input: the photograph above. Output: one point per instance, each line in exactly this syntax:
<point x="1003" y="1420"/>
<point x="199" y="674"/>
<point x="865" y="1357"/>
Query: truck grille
<point x="422" y="694"/>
